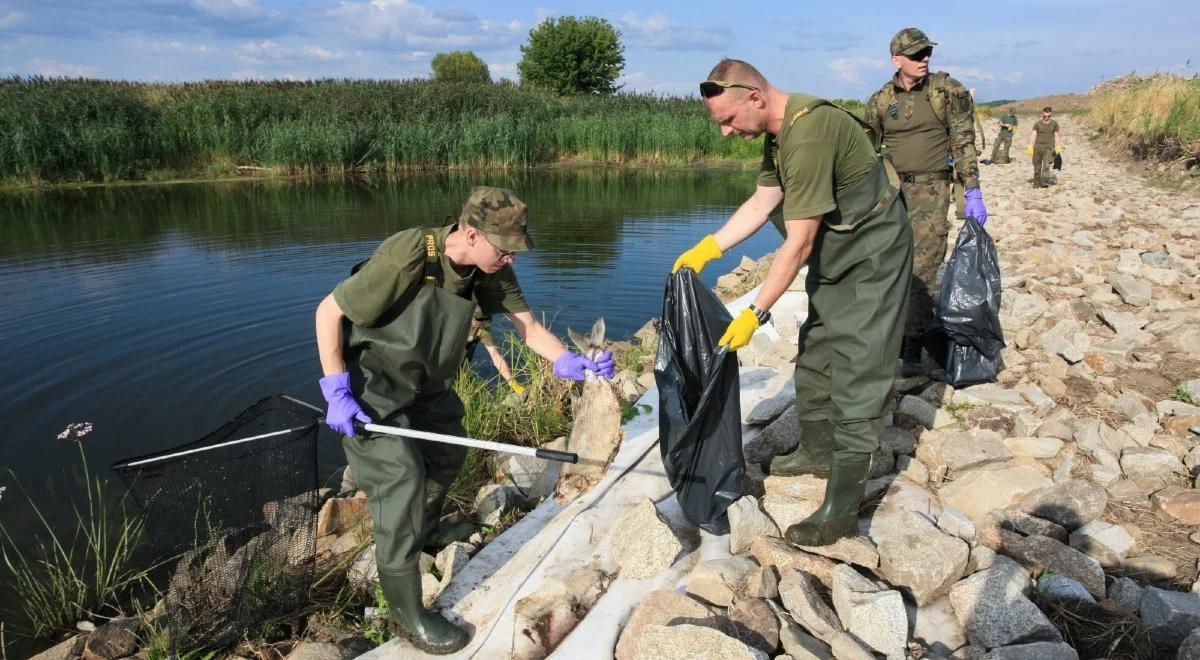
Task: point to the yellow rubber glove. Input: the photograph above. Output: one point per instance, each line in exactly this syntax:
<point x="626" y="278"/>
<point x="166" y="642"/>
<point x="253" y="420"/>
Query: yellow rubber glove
<point x="1029" y="150"/>
<point x="703" y="252"/>
<point x="516" y="387"/>
<point x="740" y="330"/>
<point x="1058" y="149"/>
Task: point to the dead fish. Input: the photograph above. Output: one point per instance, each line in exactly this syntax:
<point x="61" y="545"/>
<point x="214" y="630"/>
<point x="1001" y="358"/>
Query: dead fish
<point x="596" y="431"/>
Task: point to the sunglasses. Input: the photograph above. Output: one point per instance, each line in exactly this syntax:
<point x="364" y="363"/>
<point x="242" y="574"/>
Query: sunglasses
<point x="921" y="54"/>
<point x="711" y="88"/>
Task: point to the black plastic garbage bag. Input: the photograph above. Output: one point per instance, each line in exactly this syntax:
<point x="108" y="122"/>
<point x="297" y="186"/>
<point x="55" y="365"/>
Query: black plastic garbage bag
<point x="965" y="336"/>
<point x="699" y="413"/>
<point x="1057" y="161"/>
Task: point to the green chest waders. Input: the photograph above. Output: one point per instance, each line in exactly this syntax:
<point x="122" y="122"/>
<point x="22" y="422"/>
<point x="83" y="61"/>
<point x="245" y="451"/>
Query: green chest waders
<point x="857" y="285"/>
<point x="402" y="372"/>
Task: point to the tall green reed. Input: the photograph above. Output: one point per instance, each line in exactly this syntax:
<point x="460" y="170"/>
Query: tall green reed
<point x="60" y="578"/>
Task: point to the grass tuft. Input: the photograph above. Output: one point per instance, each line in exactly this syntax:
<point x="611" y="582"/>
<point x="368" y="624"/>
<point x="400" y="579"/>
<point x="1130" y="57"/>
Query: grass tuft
<point x="59" y="579"/>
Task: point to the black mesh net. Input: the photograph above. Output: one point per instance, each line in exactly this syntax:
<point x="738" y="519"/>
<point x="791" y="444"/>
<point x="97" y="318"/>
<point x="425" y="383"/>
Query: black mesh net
<point x="233" y="518"/>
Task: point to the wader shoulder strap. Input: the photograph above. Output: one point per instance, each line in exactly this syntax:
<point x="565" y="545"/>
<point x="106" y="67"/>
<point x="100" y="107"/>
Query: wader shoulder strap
<point x="433" y="264"/>
<point x="816" y="103"/>
<point x="433" y="267"/>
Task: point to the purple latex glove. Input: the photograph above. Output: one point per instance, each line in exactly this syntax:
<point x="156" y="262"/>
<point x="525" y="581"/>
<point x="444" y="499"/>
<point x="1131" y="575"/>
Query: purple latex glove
<point x="605" y="365"/>
<point x="343" y="408"/>
<point x="973" y="205"/>
<point x="573" y="366"/>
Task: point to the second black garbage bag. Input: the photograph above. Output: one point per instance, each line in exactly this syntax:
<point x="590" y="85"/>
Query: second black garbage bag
<point x="699" y="413"/>
<point x="965" y="336"/>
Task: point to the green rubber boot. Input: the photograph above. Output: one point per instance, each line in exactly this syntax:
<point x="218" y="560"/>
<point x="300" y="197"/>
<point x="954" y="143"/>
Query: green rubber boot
<point x="424" y="629"/>
<point x="812" y="456"/>
<point x="838" y="515"/>
<point x="444" y="534"/>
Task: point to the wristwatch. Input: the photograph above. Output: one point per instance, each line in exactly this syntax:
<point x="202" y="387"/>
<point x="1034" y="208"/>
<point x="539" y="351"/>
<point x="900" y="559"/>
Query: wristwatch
<point x="761" y="314"/>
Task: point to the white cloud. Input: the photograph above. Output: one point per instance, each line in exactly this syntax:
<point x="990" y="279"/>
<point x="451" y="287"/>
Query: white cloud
<point x="658" y="32"/>
<point x="810" y="37"/>
<point x="229" y="7"/>
<point x="850" y="69"/>
<point x="267" y="52"/>
<point x="975" y="75"/>
<point x="503" y="70"/>
<point x="403" y="23"/>
<point x="55" y="69"/>
<point x="246" y="74"/>
<point x="168" y="47"/>
<point x="11" y="19"/>
<point x="640" y="81"/>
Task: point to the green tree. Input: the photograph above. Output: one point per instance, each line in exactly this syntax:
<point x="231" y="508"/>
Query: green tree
<point x="460" y="66"/>
<point x="570" y="55"/>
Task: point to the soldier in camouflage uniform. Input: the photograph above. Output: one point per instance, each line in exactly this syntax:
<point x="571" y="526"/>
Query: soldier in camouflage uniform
<point x="391" y="338"/>
<point x="926" y="125"/>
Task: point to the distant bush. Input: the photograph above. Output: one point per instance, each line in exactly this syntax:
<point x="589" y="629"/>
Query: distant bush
<point x="461" y="66"/>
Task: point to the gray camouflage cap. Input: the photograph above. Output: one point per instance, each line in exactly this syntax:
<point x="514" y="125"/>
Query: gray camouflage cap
<point x="909" y="41"/>
<point x="500" y="216"/>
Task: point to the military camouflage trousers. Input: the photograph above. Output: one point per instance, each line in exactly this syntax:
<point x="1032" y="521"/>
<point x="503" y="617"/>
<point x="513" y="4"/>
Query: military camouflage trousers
<point x="928" y="202"/>
<point x="1043" y="160"/>
<point x="1000" y="150"/>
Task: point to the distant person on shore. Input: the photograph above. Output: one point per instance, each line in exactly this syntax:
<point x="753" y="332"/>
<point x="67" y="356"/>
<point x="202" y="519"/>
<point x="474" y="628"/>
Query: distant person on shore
<point x="1008" y="125"/>
<point x="407" y="310"/>
<point x="926" y="122"/>
<point x="1043" y="144"/>
<point x="843" y="216"/>
<point x="481" y="333"/>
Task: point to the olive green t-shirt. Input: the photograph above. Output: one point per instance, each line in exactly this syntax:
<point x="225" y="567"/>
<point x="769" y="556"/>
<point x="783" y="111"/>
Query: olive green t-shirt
<point x="816" y="155"/>
<point x="1011" y="120"/>
<point x="394" y="274"/>
<point x="917" y="141"/>
<point x="1045" y="131"/>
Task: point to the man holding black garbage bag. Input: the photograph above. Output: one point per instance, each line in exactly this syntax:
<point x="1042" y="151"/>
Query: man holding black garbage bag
<point x="844" y="217"/>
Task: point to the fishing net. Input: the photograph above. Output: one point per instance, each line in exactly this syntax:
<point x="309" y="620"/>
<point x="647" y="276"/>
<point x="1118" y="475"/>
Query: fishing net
<point x="232" y="516"/>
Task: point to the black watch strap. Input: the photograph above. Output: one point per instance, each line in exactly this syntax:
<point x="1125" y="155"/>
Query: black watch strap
<point x="762" y="315"/>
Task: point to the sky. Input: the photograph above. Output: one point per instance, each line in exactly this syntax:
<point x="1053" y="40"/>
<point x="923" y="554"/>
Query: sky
<point x="1011" y="50"/>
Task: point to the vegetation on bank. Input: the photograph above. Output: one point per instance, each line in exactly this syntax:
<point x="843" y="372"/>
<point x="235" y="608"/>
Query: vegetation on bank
<point x="1157" y="117"/>
<point x="86" y="130"/>
<point x="59" y="130"/>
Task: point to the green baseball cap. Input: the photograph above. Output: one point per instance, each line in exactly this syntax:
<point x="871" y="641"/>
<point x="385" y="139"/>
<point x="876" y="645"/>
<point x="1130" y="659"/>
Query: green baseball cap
<point x="499" y="215"/>
<point x="909" y="41"/>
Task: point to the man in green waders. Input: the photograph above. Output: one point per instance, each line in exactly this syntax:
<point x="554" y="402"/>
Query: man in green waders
<point x="391" y="338"/>
<point x="843" y="216"/>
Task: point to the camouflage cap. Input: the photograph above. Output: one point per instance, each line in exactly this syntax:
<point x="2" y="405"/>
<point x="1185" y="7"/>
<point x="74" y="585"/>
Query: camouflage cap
<point x="909" y="41"/>
<point x="500" y="216"/>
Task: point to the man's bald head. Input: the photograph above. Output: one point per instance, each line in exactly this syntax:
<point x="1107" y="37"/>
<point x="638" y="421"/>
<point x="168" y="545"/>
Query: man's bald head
<point x="737" y="76"/>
